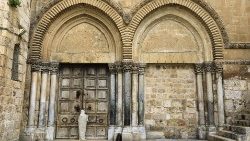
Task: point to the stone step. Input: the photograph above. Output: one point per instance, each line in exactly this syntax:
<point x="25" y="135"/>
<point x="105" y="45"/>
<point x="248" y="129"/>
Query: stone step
<point x="237" y="129"/>
<point x="242" y="122"/>
<point x="227" y="134"/>
<point x="243" y="117"/>
<point x="214" y="137"/>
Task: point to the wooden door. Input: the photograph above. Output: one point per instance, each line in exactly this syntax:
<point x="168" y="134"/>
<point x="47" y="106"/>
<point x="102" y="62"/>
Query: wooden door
<point x="84" y="87"/>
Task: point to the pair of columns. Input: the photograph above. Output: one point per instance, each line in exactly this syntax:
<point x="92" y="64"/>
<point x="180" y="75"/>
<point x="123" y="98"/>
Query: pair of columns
<point x="209" y="68"/>
<point x="45" y="71"/>
<point x="127" y="95"/>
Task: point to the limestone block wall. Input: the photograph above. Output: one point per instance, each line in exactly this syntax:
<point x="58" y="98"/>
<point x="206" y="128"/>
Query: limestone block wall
<point x="170" y="100"/>
<point x="235" y="15"/>
<point x="237" y="91"/>
<point x="11" y="91"/>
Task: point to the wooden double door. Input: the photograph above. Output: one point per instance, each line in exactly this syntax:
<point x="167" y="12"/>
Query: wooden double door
<point x="83" y="87"/>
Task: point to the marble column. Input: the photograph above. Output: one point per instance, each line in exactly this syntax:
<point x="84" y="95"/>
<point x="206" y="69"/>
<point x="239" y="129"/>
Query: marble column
<point x="119" y="102"/>
<point x="140" y="99"/>
<point x="52" y="100"/>
<point x="199" y="83"/>
<point x="45" y="72"/>
<point x="112" y="94"/>
<point x="127" y="93"/>
<point x="141" y="95"/>
<point x="32" y="101"/>
<point x="220" y="95"/>
<point x="135" y="95"/>
<point x="112" y="105"/>
<point x="210" y="96"/>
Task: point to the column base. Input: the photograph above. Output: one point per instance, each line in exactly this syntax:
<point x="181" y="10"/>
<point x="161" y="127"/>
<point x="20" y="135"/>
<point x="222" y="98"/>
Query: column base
<point x="28" y="134"/>
<point x="111" y="133"/>
<point x="127" y="134"/>
<point x="142" y="132"/>
<point x="211" y="129"/>
<point x="202" y="132"/>
<point x="50" y="133"/>
<point x="118" y="133"/>
<point x="33" y="134"/>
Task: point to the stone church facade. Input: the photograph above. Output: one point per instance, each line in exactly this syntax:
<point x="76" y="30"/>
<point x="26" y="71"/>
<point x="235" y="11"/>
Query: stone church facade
<point x="142" y="69"/>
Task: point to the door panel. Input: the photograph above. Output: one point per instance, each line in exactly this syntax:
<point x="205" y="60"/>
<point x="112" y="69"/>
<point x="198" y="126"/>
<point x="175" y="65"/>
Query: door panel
<point x="87" y="88"/>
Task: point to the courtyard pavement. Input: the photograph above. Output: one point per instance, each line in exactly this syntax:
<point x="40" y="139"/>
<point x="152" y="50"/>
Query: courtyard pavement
<point x="147" y="140"/>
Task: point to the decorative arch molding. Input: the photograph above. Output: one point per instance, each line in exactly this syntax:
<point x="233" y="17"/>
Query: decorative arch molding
<point x="59" y="7"/>
<point x="201" y="10"/>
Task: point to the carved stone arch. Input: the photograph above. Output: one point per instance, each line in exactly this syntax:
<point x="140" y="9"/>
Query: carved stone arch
<point x="199" y="8"/>
<point x="59" y="8"/>
<point x="82" y="36"/>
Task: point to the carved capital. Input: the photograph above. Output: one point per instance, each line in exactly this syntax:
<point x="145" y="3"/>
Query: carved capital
<point x="135" y="68"/>
<point x="36" y="66"/>
<point x="199" y="68"/>
<point x="45" y="66"/>
<point x="142" y="68"/>
<point x="112" y="68"/>
<point x="209" y="67"/>
<point x="118" y="66"/>
<point x="127" y="66"/>
<point x="54" y="67"/>
<point x="218" y="67"/>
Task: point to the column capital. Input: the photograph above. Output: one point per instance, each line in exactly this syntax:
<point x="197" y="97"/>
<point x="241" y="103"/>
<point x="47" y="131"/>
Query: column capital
<point x="127" y="66"/>
<point x="112" y="67"/>
<point x="45" y="66"/>
<point x="142" y="68"/>
<point x="209" y="66"/>
<point x="54" y="67"/>
<point x="118" y="66"/>
<point x="199" y="68"/>
<point x="36" y="66"/>
<point x="218" y="67"/>
<point x="135" y="68"/>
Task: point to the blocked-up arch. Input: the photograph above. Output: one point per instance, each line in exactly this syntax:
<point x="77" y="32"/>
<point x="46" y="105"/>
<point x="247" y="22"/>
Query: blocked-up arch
<point x="60" y="7"/>
<point x="202" y="14"/>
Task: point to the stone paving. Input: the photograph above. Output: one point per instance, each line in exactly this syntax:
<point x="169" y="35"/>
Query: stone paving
<point x="147" y="140"/>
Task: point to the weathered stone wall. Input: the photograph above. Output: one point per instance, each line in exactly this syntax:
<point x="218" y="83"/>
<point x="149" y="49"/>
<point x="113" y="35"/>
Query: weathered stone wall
<point x="170" y="101"/>
<point x="237" y="91"/>
<point x="11" y="91"/>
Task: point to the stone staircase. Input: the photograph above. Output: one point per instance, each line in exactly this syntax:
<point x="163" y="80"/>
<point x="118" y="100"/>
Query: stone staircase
<point x="238" y="131"/>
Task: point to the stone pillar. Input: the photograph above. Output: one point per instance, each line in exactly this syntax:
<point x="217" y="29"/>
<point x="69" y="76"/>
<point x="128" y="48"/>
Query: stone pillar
<point x="220" y="94"/>
<point x="136" y="135"/>
<point x="112" y="104"/>
<point x="44" y="82"/>
<point x="210" y="96"/>
<point x="127" y="131"/>
<point x="119" y="102"/>
<point x="141" y="94"/>
<point x="201" y="128"/>
<point x="141" y="102"/>
<point x="135" y="95"/>
<point x="32" y="103"/>
<point x="127" y="93"/>
<point x="52" y="100"/>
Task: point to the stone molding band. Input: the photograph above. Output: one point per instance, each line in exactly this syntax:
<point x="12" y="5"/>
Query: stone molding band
<point x="239" y="46"/>
<point x="127" y="67"/>
<point x="208" y="67"/>
<point x="45" y="66"/>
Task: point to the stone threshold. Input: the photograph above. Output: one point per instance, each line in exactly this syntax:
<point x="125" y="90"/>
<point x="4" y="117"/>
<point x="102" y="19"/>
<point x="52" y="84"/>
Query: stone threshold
<point x="147" y="140"/>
